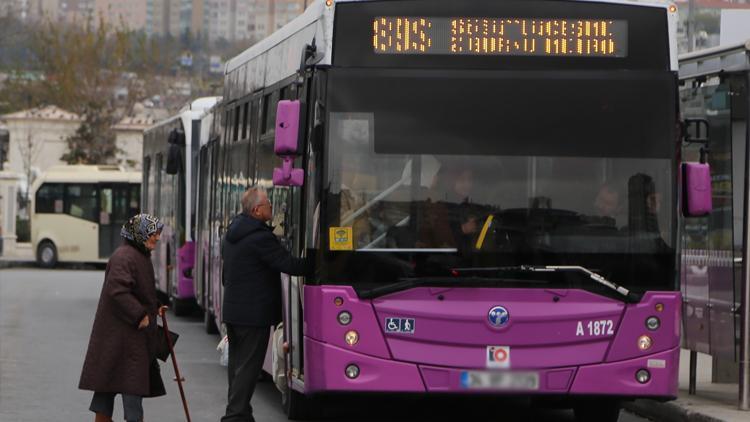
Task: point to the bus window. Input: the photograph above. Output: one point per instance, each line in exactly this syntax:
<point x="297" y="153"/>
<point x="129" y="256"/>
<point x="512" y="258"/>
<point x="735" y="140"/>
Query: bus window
<point x="146" y="181"/>
<point x="133" y="203"/>
<point x="236" y="124"/>
<point x="105" y="206"/>
<point x="156" y="210"/>
<point x="80" y="201"/>
<point x="49" y="199"/>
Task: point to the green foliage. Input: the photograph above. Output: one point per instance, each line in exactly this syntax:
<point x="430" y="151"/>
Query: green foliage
<point x="94" y="141"/>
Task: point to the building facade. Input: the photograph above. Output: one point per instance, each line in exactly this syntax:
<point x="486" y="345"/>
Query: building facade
<point x="130" y="14"/>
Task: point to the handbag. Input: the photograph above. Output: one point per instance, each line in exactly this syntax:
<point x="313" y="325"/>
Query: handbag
<point x="162" y="347"/>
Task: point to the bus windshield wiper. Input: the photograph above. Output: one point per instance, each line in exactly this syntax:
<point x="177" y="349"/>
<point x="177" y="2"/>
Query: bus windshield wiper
<point x="622" y="291"/>
<point x="406" y="283"/>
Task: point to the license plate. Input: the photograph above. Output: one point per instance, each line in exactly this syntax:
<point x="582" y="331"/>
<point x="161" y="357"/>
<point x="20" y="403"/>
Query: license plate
<point x="486" y="380"/>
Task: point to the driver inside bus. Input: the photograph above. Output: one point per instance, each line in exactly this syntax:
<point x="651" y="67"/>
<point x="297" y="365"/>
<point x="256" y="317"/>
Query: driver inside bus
<point x="450" y="220"/>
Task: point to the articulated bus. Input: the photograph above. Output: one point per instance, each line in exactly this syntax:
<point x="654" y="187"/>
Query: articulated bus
<point x="489" y="191"/>
<point x="170" y="151"/>
<point x="77" y="212"/>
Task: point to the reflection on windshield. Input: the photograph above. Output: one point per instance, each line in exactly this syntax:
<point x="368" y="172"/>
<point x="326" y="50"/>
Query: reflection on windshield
<point x="500" y="210"/>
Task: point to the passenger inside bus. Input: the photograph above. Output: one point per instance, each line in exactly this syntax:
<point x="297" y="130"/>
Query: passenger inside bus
<point x="644" y="204"/>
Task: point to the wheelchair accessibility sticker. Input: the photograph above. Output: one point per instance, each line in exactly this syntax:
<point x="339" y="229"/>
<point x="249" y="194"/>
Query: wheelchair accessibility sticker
<point x="340" y="238"/>
<point x="399" y="325"/>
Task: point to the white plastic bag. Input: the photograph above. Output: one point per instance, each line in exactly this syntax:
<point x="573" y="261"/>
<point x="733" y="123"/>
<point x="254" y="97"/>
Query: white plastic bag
<point x="279" y="359"/>
<point x="223" y="349"/>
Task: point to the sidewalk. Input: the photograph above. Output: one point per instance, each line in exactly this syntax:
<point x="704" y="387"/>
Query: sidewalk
<point x="712" y="402"/>
<point x="22" y="257"/>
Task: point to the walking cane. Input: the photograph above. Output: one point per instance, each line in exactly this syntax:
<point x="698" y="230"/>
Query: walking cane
<point x="178" y="378"/>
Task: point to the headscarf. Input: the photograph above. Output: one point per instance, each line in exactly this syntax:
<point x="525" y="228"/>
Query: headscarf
<point x="139" y="228"/>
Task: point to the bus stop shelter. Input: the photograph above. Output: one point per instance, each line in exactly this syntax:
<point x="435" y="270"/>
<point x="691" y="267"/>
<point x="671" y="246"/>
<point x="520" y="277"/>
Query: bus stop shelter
<point x="716" y="249"/>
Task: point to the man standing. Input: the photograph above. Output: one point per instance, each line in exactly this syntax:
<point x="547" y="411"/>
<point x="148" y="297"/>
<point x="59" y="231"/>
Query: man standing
<point x="253" y="261"/>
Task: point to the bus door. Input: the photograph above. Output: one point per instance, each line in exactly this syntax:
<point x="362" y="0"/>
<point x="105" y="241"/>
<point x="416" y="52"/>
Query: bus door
<point x="115" y="205"/>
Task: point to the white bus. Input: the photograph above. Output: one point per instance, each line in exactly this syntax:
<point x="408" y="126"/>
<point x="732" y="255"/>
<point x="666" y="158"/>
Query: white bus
<point x="170" y="152"/>
<point x="78" y="210"/>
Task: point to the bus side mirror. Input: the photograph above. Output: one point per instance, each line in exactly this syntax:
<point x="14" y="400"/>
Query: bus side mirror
<point x="286" y="144"/>
<point x="696" y="189"/>
<point x="287" y="128"/>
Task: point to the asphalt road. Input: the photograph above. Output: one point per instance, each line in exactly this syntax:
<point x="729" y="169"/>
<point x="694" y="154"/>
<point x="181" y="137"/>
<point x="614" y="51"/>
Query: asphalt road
<point x="45" y="322"/>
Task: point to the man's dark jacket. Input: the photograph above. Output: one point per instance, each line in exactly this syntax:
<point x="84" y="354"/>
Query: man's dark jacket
<point x="253" y="261"/>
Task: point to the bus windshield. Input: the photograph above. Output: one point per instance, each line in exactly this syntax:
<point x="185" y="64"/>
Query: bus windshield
<point x="429" y="179"/>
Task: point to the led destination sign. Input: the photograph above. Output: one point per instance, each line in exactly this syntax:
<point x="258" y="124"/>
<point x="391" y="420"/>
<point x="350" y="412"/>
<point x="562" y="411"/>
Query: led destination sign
<point x="500" y="36"/>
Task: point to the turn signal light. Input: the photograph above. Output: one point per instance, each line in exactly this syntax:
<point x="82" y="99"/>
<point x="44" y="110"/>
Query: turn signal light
<point x="338" y="301"/>
<point x="351" y="337"/>
<point x="644" y="342"/>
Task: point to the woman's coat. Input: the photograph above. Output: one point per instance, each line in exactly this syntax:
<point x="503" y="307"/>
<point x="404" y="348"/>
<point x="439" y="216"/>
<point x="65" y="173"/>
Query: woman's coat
<point x="121" y="358"/>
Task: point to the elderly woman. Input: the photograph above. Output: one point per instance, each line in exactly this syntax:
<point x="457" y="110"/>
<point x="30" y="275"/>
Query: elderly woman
<point x="123" y="344"/>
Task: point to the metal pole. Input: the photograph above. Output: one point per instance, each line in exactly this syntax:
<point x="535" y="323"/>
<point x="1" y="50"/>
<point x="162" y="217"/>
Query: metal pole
<point x="691" y="25"/>
<point x="744" y="399"/>
<point x="693" y="371"/>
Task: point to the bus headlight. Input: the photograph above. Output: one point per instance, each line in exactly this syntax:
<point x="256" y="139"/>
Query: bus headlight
<point x="653" y="323"/>
<point x="352" y="337"/>
<point x="644" y="342"/>
<point x="344" y="318"/>
<point x="642" y="376"/>
<point x="352" y="371"/>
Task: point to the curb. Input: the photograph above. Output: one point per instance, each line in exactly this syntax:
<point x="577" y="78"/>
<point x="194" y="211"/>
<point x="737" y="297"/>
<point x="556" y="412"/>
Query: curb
<point x="666" y="412"/>
<point x="7" y="263"/>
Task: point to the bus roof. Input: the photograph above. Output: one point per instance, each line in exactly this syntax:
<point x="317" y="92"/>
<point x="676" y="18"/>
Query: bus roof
<point x="81" y="173"/>
<point x="276" y="57"/>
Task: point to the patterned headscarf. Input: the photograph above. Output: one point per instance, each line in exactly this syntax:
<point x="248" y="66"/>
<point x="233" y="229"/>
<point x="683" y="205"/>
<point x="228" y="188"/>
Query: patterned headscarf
<point x="139" y="228"/>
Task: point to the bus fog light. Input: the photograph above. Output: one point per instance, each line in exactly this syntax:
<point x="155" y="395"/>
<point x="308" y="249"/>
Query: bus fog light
<point x="653" y="323"/>
<point x="644" y="342"/>
<point x="642" y="376"/>
<point x="345" y="318"/>
<point x="352" y="337"/>
<point x="352" y="371"/>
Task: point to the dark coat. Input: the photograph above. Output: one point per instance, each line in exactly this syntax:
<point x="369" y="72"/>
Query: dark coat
<point x="253" y="261"/>
<point x="121" y="358"/>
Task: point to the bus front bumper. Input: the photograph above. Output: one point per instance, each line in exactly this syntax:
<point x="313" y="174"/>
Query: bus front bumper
<point x="325" y="369"/>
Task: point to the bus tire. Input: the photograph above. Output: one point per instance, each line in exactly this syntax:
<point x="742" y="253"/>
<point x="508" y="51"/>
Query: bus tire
<point x="46" y="254"/>
<point x="182" y="307"/>
<point x="209" y="323"/>
<point x="297" y="406"/>
<point x="599" y="410"/>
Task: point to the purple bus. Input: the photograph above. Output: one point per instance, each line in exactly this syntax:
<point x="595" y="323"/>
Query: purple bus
<point x="170" y="150"/>
<point x="489" y="189"/>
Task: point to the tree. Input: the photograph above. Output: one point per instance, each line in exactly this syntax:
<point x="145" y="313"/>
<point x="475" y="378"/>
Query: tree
<point x="94" y="141"/>
<point x="29" y="149"/>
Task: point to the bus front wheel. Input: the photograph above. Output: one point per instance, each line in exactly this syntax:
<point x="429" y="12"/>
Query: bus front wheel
<point x="296" y="405"/>
<point x="209" y="323"/>
<point x="182" y="307"/>
<point x="600" y="410"/>
<point x="46" y="254"/>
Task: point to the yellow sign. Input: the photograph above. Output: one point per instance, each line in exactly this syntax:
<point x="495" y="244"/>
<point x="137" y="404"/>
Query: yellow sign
<point x="340" y="238"/>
